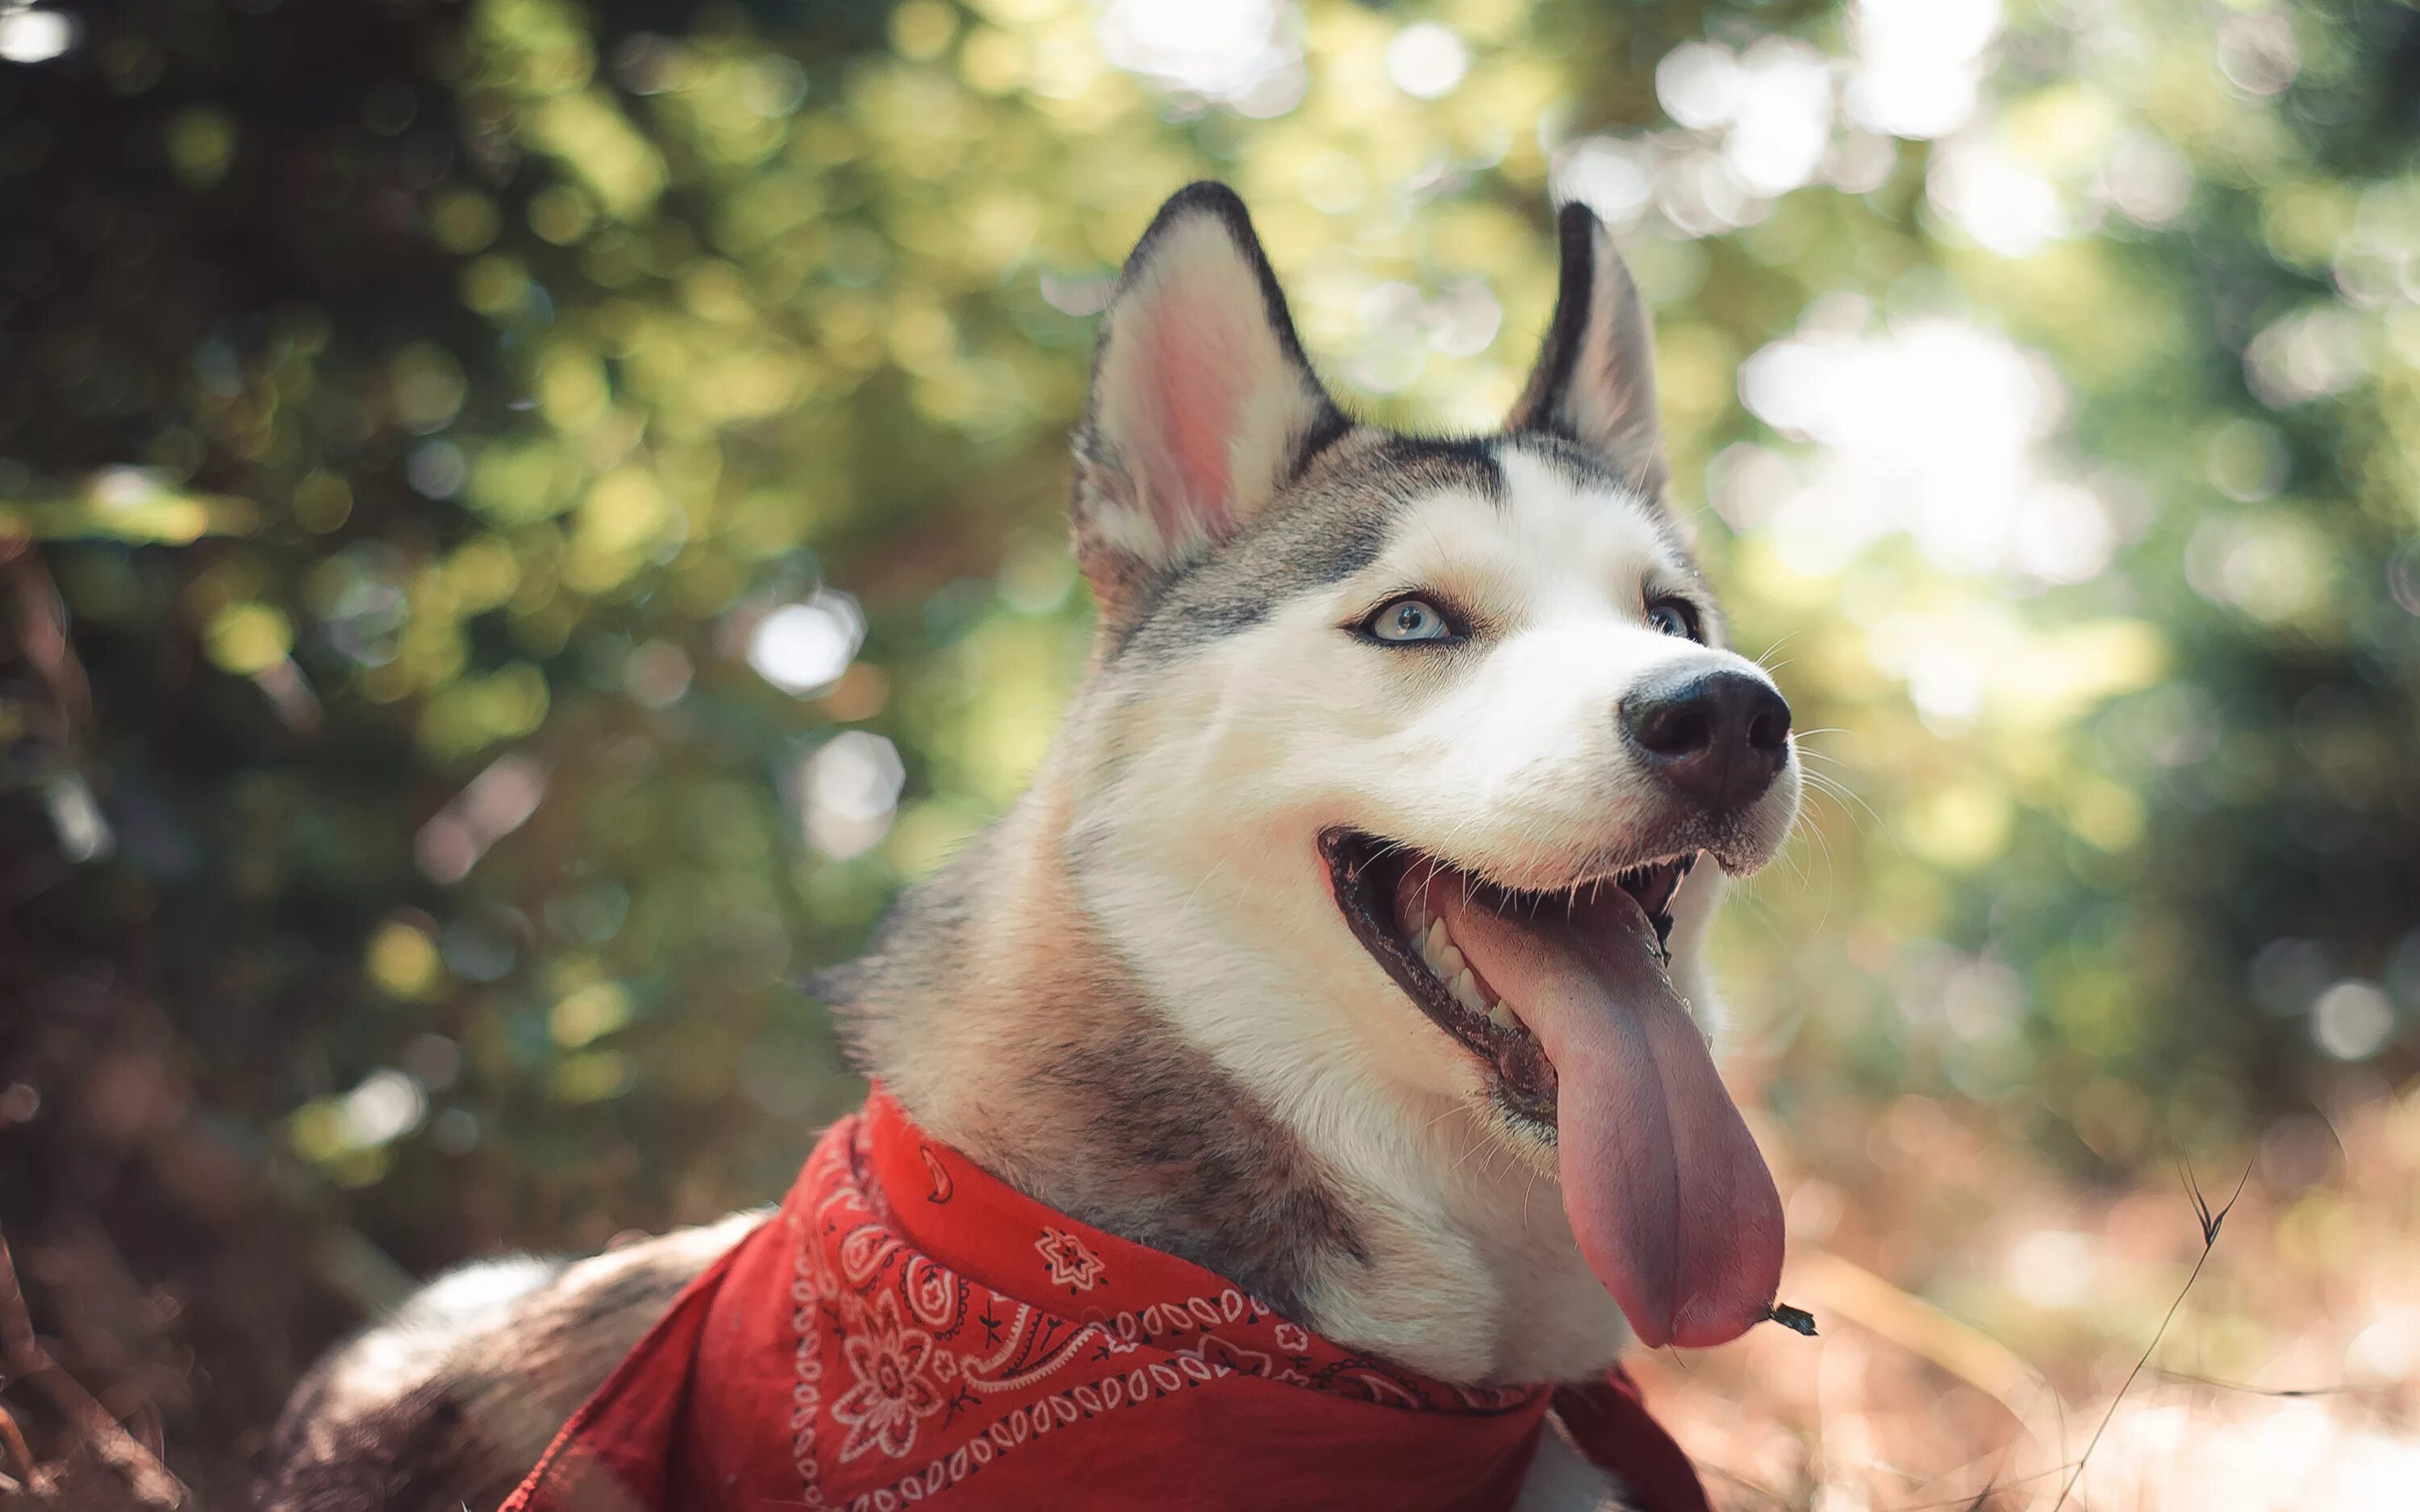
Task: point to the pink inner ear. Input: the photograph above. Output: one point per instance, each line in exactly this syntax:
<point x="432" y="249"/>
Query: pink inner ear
<point x="1195" y="370"/>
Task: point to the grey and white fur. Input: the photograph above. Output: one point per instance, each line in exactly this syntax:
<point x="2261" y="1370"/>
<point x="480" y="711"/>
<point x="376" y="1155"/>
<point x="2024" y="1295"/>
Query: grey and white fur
<point x="1134" y="998"/>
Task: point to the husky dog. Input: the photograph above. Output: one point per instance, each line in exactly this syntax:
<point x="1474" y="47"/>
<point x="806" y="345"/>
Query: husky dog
<point x="1328" y="949"/>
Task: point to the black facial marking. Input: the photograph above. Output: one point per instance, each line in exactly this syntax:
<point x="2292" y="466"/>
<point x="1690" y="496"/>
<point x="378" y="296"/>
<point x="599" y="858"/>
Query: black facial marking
<point x="1234" y="590"/>
<point x="1336" y="524"/>
<point x="1442" y="460"/>
<point x="1333" y="425"/>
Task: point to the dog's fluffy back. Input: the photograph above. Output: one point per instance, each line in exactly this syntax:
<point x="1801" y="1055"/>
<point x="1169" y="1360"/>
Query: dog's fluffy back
<point x="448" y="1403"/>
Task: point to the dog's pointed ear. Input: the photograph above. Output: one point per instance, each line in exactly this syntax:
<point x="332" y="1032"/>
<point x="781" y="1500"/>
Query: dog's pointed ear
<point x="1202" y="406"/>
<point x="1594" y="383"/>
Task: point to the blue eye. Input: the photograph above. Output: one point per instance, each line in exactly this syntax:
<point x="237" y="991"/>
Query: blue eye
<point x="1405" y="620"/>
<point x="1673" y="616"/>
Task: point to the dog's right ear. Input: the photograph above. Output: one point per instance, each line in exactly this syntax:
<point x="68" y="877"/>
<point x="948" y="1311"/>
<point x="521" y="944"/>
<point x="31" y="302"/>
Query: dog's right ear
<point x="1202" y="406"/>
<point x="1594" y="383"/>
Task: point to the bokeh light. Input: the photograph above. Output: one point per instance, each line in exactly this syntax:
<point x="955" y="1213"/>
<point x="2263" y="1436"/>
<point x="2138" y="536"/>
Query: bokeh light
<point x="29" y="35"/>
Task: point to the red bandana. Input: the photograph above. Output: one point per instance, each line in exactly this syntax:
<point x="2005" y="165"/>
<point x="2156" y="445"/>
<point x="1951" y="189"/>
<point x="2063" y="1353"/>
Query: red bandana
<point x="908" y="1329"/>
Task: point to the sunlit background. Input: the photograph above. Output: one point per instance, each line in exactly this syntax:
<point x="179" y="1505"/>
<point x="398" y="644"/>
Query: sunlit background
<point x="521" y="525"/>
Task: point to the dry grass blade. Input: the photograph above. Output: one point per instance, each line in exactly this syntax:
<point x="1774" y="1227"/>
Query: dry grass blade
<point x="22" y="1358"/>
<point x="2210" y="1222"/>
<point x="21" y="1454"/>
<point x="2283" y="1393"/>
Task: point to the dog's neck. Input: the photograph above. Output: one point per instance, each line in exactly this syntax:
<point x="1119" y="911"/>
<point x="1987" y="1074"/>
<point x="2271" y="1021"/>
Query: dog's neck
<point x="994" y="1009"/>
<point x="1005" y="1027"/>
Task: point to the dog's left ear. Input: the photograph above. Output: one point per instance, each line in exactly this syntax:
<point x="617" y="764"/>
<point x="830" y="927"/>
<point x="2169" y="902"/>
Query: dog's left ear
<point x="1594" y="383"/>
<point x="1202" y="406"/>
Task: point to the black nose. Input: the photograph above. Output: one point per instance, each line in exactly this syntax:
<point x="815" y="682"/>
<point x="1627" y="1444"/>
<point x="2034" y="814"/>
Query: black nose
<point x="1721" y="736"/>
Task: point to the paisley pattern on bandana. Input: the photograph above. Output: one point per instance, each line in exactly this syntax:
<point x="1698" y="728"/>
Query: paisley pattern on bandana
<point x="907" y="1325"/>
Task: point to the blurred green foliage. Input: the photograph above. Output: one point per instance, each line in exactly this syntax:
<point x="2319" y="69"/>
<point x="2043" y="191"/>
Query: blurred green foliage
<point x="555" y="512"/>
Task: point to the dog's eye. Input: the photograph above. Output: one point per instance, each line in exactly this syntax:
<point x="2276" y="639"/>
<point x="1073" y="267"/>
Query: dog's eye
<point x="1674" y="616"/>
<point x="1407" y="619"/>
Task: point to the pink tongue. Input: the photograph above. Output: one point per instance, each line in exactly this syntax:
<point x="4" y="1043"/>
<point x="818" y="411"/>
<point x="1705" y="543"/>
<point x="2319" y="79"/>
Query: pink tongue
<point x="1671" y="1201"/>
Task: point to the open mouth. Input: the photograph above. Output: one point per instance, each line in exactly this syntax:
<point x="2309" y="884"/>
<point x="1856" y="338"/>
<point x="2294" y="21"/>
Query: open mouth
<point x="1396" y="900"/>
<point x="1562" y="994"/>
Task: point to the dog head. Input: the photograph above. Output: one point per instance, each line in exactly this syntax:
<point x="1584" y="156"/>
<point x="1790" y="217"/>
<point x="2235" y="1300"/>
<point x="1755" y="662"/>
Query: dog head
<point x="1408" y="766"/>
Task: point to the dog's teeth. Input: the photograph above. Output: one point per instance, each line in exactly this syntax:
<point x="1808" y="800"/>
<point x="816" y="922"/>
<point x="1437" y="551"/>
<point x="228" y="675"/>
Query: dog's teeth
<point x="1465" y="990"/>
<point x="1449" y="965"/>
<point x="1434" y="942"/>
<point x="1503" y="1017"/>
